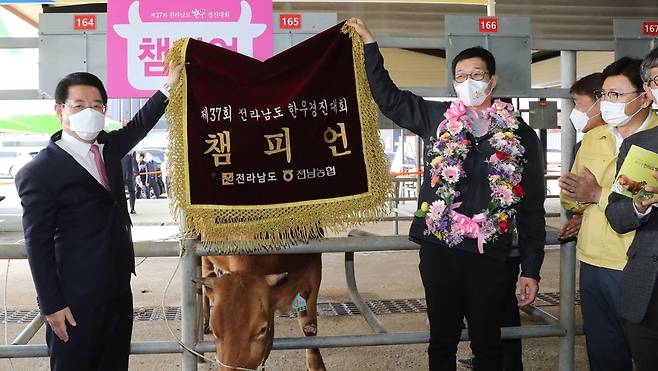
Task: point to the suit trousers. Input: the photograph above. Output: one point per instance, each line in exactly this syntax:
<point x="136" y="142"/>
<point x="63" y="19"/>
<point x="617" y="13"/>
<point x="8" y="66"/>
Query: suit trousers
<point x="643" y="337"/>
<point x="132" y="191"/>
<point x="461" y="284"/>
<point x="607" y="348"/>
<point x="99" y="342"/>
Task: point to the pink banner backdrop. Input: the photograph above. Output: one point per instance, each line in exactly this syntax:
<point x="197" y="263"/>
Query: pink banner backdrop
<point x="140" y="32"/>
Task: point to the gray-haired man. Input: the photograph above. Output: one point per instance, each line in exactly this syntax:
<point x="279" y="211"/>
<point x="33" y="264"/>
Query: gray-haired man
<point x="639" y="293"/>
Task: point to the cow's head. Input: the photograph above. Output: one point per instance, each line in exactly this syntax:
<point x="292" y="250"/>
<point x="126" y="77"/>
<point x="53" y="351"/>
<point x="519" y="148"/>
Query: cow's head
<point x="242" y="318"/>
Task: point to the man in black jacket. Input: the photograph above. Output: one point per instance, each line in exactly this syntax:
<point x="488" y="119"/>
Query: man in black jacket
<point x="77" y="226"/>
<point x="460" y="282"/>
<point x="152" y="176"/>
<point x="130" y="172"/>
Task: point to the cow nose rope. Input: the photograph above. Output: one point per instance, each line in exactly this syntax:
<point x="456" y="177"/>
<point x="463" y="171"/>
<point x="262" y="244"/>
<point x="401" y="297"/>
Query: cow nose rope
<point x="260" y="368"/>
<point x="215" y="361"/>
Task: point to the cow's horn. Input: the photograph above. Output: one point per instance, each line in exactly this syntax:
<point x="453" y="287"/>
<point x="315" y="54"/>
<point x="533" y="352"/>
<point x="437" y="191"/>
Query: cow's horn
<point x="274" y="280"/>
<point x="201" y="281"/>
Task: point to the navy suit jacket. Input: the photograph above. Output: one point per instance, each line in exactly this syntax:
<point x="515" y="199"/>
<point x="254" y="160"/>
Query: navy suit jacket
<point x="638" y="280"/>
<point x="77" y="234"/>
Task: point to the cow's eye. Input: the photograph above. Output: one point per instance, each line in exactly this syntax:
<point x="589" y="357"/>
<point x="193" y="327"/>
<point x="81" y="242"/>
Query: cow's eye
<point x="262" y="331"/>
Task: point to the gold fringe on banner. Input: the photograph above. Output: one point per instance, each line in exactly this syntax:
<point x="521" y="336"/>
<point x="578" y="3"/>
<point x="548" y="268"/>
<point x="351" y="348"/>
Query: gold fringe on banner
<point x="247" y="229"/>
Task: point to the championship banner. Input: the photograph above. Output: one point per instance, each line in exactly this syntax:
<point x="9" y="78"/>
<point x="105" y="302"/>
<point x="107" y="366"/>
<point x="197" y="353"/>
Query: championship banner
<point x="268" y="154"/>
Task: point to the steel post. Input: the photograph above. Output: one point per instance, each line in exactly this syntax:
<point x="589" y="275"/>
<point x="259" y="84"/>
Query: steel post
<point x="366" y="312"/>
<point x="189" y="314"/>
<point x="568" y="250"/>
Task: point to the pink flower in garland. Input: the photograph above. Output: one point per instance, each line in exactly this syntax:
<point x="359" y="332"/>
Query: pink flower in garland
<point x="454" y="127"/>
<point x="457" y="109"/>
<point x="451" y="174"/>
<point x="504" y="194"/>
<point x="436" y="208"/>
<point x="431" y="227"/>
<point x="502" y="108"/>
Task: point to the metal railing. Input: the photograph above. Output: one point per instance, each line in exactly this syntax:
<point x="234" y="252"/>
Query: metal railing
<point x="358" y="241"/>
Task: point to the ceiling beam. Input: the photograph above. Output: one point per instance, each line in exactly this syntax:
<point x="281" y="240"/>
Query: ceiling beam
<point x="76" y="8"/>
<point x="13" y="10"/>
<point x="544" y="55"/>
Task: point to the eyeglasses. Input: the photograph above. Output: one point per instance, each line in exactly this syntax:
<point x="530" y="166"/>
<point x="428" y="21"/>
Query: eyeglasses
<point x="611" y="96"/>
<point x="477" y="76"/>
<point x="653" y="81"/>
<point x="77" y="107"/>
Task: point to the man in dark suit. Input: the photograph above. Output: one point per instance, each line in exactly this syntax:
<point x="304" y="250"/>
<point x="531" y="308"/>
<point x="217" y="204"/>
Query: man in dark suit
<point x="639" y="293"/>
<point x="130" y="172"/>
<point x="77" y="226"/>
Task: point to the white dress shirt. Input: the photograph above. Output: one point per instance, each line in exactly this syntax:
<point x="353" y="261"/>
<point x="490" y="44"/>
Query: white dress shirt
<point x="81" y="152"/>
<point x="619" y="139"/>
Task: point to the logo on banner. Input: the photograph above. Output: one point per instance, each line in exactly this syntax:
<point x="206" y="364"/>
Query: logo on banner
<point x="147" y="42"/>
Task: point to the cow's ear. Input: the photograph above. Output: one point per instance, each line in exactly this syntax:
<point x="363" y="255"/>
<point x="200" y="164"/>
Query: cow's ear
<point x="274" y="280"/>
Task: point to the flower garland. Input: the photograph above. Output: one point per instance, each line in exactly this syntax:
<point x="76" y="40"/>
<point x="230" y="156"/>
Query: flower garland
<point x="447" y="169"/>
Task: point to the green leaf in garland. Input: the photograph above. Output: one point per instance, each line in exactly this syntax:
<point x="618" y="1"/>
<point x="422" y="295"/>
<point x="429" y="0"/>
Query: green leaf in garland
<point x="420" y="213"/>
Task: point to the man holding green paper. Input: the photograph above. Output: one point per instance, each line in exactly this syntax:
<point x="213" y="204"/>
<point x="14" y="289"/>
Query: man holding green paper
<point x="601" y="249"/>
<point x="639" y="297"/>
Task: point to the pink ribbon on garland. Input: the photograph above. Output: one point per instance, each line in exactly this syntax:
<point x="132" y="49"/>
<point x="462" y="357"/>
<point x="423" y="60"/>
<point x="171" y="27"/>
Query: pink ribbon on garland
<point x="471" y="227"/>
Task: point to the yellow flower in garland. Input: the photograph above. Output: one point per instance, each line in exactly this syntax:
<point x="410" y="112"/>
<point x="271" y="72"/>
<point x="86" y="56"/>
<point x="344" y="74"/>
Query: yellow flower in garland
<point x="437" y="160"/>
<point x="509" y="134"/>
<point x="425" y="206"/>
<point x="445" y="136"/>
<point x="506" y="184"/>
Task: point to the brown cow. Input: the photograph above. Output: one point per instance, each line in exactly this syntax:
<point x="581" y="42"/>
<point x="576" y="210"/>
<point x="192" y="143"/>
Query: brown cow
<point x="630" y="184"/>
<point x="245" y="298"/>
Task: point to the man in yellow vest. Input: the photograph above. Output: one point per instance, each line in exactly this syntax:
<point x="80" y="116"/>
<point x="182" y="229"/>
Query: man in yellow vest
<point x="585" y="116"/>
<point x="602" y="252"/>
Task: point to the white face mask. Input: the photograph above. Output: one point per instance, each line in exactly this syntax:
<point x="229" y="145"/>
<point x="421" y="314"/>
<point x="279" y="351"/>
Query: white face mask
<point x="614" y="113"/>
<point x="472" y="93"/>
<point x="87" y="123"/>
<point x="580" y="119"/>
